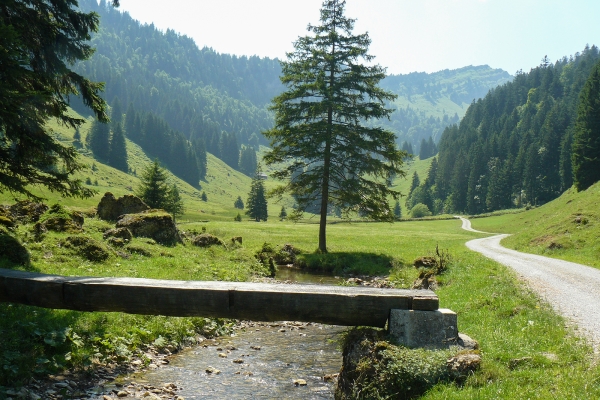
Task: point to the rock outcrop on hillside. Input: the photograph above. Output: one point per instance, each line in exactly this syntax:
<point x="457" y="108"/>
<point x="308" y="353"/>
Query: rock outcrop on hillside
<point x="111" y="208"/>
<point x="155" y="224"/>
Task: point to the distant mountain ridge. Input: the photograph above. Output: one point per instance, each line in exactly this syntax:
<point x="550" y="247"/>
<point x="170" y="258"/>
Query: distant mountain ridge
<point x="206" y="95"/>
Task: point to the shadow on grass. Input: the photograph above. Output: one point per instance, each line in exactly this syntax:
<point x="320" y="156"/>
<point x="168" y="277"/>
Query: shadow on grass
<point x="347" y="263"/>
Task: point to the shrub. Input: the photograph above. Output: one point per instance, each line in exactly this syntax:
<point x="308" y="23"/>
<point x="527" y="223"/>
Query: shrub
<point x="420" y="210"/>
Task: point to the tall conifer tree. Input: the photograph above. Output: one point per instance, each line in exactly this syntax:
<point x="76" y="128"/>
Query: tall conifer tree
<point x="319" y="129"/>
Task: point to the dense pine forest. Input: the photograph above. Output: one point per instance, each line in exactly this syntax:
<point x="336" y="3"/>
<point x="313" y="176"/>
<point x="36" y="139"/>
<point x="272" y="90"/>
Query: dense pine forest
<point x="513" y="148"/>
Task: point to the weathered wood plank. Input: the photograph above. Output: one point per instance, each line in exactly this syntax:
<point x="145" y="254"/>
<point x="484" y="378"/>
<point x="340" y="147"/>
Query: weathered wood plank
<point x="338" y="305"/>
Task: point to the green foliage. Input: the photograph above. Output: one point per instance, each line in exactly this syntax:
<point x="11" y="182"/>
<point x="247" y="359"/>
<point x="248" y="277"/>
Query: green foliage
<point x="586" y="142"/>
<point x="329" y="155"/>
<point x="513" y="147"/>
<point x="174" y="204"/>
<point x="117" y="156"/>
<point x="204" y="197"/>
<point x="420" y="210"/>
<point x="257" y="202"/>
<point x="40" y="40"/>
<point x="387" y="371"/>
<point x="282" y="213"/>
<point x="397" y="210"/>
<point x="185" y="159"/>
<point x="247" y="163"/>
<point x="239" y="203"/>
<point x="98" y="140"/>
<point x="153" y="187"/>
<point x="238" y="218"/>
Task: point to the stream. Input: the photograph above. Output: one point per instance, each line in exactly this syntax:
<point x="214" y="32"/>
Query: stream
<point x="283" y="360"/>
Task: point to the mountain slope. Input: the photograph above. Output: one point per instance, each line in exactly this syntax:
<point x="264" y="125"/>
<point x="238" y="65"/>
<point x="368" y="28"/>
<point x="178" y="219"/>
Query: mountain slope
<point x="427" y="103"/>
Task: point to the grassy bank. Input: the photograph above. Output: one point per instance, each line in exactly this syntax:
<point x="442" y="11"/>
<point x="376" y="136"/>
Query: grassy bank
<point x="567" y="228"/>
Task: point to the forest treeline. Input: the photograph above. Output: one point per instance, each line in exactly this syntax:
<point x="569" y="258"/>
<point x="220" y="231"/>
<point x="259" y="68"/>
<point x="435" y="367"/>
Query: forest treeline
<point x="513" y="147"/>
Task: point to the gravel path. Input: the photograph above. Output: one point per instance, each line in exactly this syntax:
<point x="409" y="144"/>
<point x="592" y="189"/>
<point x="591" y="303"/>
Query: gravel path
<point x="572" y="289"/>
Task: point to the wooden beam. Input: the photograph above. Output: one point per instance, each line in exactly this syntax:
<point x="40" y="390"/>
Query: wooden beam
<point x="336" y="305"/>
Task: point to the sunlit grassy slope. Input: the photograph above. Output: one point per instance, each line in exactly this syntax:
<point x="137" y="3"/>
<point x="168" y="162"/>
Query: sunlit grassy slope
<point x="222" y="184"/>
<point x="566" y="228"/>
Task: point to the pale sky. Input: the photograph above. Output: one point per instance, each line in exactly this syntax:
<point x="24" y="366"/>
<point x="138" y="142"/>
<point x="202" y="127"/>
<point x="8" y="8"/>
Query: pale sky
<point x="406" y="35"/>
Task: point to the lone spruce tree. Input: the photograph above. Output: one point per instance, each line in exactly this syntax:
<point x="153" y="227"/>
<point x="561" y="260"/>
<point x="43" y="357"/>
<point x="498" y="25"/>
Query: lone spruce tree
<point x="153" y="188"/>
<point x="256" y="205"/>
<point x="329" y="154"/>
<point x="586" y="141"/>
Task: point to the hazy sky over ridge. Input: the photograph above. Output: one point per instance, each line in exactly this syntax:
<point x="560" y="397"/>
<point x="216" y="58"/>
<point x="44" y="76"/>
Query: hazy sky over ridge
<point x="407" y="35"/>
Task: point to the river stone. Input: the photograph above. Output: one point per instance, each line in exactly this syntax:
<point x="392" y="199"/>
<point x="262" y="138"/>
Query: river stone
<point x="154" y="224"/>
<point x="299" y="382"/>
<point x="110" y="208"/>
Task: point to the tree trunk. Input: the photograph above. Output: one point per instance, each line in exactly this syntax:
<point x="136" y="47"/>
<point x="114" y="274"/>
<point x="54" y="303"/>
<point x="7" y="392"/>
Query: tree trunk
<point x="326" y="165"/>
<point x="324" y="197"/>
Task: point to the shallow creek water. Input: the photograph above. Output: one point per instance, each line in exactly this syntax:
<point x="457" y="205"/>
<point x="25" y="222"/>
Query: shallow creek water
<point x="262" y="361"/>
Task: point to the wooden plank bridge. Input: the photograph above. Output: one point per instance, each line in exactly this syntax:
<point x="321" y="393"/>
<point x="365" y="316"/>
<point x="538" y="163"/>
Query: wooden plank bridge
<point x="336" y="305"/>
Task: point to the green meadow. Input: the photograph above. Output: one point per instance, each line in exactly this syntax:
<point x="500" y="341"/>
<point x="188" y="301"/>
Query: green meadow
<point x="527" y="350"/>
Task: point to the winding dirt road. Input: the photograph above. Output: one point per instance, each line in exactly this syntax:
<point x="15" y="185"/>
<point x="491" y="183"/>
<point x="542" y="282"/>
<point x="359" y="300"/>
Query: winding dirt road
<point x="572" y="289"/>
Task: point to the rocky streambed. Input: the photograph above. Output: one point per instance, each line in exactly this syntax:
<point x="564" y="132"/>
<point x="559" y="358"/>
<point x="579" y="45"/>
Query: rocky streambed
<point x="287" y="360"/>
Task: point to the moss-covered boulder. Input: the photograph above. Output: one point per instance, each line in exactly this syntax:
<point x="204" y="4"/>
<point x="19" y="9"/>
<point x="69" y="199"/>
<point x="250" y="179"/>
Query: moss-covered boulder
<point x="87" y="247"/>
<point x="27" y="211"/>
<point x="111" y="208"/>
<point x="120" y="233"/>
<point x="207" y="240"/>
<point x="155" y="224"/>
<point x="12" y="250"/>
<point x="59" y="219"/>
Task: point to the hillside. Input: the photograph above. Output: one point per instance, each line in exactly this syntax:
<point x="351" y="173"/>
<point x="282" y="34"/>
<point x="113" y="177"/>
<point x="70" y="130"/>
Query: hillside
<point x="567" y="227"/>
<point x="222" y="184"/>
<point x="203" y="93"/>
<point x="514" y="146"/>
<point x="427" y="103"/>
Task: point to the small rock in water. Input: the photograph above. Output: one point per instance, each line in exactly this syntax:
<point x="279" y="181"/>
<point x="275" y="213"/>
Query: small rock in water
<point x="255" y="347"/>
<point x="282" y="330"/>
<point x="238" y="361"/>
<point x="222" y="355"/>
<point x="122" y="393"/>
<point x="330" y="377"/>
<point x="299" y="382"/>
<point x="212" y="370"/>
